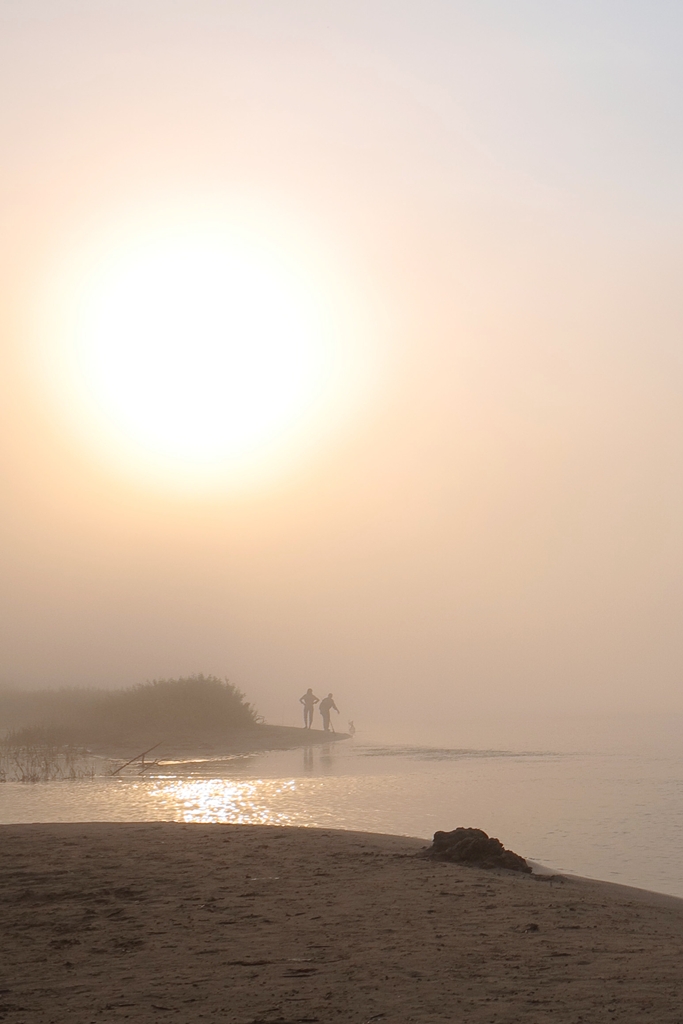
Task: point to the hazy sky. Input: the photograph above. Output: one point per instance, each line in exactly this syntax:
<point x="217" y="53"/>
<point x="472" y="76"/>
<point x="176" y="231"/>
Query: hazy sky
<point x="494" y="524"/>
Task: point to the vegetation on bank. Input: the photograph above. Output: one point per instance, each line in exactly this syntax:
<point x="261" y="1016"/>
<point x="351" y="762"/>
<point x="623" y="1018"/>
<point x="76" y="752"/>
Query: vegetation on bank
<point x="189" y="709"/>
<point x="43" y="759"/>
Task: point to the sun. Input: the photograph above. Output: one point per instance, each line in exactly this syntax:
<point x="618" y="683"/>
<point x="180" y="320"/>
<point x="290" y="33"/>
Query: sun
<point x="201" y="349"/>
<point x="201" y="352"/>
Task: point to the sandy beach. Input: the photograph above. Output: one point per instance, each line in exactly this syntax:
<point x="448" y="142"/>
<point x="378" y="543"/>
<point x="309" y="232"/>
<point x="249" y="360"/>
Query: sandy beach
<point x="265" y="925"/>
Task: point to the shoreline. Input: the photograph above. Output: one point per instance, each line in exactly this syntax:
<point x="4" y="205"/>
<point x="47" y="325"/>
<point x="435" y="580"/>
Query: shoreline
<point x="277" y="924"/>
<point x="636" y="892"/>
<point x="259" y="739"/>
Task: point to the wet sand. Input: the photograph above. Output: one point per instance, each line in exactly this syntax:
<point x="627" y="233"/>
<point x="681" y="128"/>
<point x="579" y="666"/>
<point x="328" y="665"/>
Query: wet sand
<point x="263" y="925"/>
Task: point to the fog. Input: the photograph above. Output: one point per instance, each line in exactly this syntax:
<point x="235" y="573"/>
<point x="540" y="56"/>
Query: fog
<point x="489" y="551"/>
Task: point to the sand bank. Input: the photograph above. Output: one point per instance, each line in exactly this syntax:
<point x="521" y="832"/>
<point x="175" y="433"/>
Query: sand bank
<point x="253" y="924"/>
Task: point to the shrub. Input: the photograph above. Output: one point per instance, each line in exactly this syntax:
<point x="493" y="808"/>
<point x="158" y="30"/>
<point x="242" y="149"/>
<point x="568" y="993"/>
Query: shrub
<point x="196" y="704"/>
<point x="190" y="708"/>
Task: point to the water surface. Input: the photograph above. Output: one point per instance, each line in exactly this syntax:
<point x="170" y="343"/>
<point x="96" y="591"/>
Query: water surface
<point x="614" y="817"/>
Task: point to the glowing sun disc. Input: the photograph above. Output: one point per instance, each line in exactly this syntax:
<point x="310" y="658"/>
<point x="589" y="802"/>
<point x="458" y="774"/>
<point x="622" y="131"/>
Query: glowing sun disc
<point x="200" y="351"/>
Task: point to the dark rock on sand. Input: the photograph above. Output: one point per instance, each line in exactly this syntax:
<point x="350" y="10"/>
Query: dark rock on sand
<point x="472" y="846"/>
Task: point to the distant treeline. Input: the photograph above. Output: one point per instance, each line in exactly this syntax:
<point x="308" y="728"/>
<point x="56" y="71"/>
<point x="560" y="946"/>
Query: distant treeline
<point x="164" y="710"/>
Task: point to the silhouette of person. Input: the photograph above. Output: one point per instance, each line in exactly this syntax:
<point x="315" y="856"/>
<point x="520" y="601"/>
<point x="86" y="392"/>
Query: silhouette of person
<point x="327" y="705"/>
<point x="309" y="701"/>
<point x="352" y="729"/>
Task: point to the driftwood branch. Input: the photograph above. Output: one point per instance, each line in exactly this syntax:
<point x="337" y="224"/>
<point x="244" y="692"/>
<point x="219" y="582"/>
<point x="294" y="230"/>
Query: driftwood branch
<point x="138" y="757"/>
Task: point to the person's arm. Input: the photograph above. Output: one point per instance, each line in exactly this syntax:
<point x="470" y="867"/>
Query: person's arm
<point x="302" y="700"/>
<point x="316" y="700"/>
<point x="335" y="707"/>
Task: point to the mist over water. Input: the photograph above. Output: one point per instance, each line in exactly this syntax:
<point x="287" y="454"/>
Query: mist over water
<point x="496" y="532"/>
<point x="485" y="553"/>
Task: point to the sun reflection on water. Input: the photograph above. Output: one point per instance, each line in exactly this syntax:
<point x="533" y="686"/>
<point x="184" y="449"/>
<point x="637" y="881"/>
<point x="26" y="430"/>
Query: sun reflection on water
<point x="255" y="802"/>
